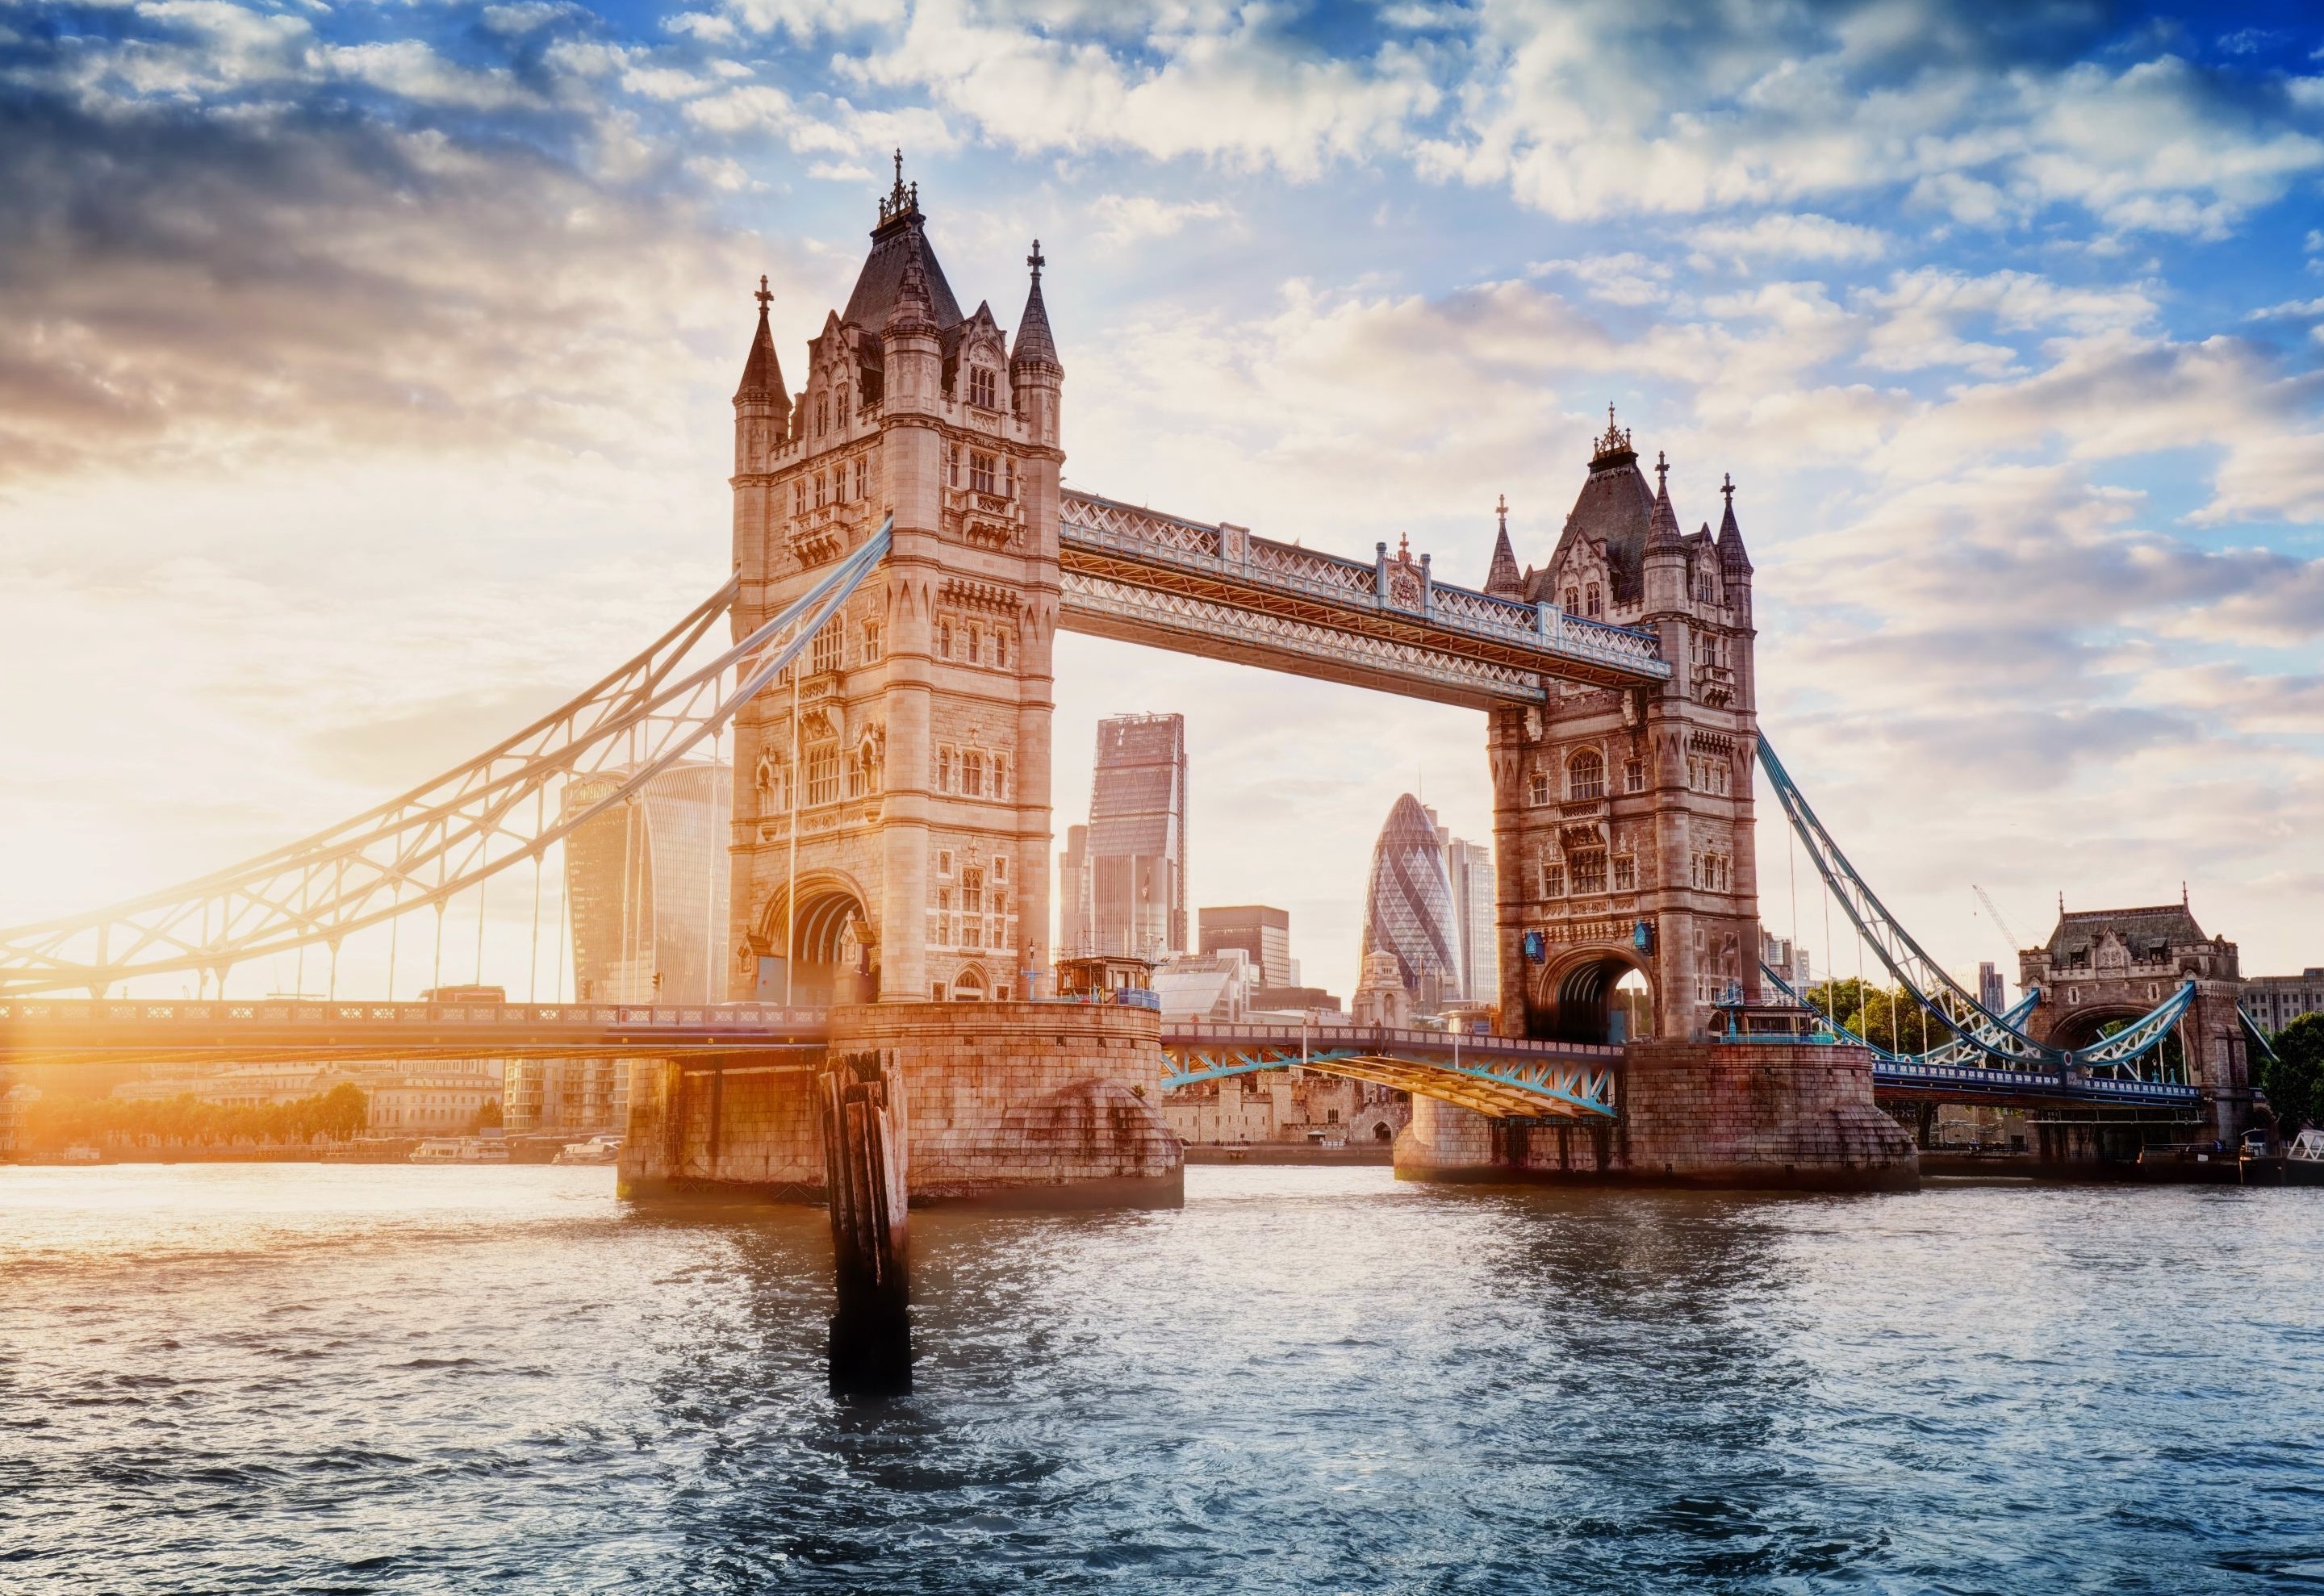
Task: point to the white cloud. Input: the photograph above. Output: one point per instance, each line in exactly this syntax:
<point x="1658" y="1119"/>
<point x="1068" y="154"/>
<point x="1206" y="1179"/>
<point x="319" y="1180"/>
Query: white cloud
<point x="409" y="68"/>
<point x="1791" y="236"/>
<point x="1128" y="218"/>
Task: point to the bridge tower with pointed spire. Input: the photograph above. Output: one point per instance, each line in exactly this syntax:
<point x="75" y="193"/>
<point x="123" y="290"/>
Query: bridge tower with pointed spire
<point x="1623" y="816"/>
<point x="892" y="809"/>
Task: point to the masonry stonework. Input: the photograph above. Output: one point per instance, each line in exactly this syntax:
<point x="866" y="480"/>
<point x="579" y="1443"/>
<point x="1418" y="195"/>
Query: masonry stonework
<point x="1017" y="1103"/>
<point x="1622" y="818"/>
<point x="1761" y="1116"/>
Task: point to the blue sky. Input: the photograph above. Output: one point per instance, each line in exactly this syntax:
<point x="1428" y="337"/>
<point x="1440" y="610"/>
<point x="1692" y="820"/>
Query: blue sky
<point x="362" y="378"/>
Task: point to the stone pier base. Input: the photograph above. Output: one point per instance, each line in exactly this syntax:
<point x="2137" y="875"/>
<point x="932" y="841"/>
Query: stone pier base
<point x="1739" y="1117"/>
<point x="1011" y="1104"/>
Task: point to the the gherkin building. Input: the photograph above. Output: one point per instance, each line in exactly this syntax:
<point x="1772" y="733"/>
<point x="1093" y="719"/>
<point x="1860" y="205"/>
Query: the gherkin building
<point x="1409" y="906"/>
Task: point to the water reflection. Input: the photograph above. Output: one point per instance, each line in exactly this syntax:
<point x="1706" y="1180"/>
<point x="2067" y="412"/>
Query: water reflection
<point x="1305" y="1380"/>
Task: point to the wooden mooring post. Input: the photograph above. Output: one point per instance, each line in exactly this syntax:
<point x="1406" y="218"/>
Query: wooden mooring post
<point x="863" y="1167"/>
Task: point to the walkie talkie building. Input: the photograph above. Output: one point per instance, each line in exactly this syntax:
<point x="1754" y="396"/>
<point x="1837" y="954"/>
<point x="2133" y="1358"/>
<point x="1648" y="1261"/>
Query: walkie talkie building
<point x="1409" y="906"/>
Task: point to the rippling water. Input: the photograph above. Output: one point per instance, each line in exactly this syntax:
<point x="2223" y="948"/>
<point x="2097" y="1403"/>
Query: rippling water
<point x="349" y="1378"/>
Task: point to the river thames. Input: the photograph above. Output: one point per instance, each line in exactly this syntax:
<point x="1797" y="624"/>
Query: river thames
<point x="354" y="1378"/>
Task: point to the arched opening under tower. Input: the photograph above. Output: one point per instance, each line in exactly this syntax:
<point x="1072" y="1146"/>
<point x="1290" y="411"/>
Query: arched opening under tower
<point x="826" y="951"/>
<point x="1599" y="997"/>
<point x="2085" y="1028"/>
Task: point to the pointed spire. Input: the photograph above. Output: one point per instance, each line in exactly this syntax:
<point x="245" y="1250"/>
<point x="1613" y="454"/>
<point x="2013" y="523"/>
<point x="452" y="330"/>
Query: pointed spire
<point x="913" y="312"/>
<point x="1662" y="528"/>
<point x="1502" y="578"/>
<point x="762" y="373"/>
<point x="1731" y="536"/>
<point x="1033" y="346"/>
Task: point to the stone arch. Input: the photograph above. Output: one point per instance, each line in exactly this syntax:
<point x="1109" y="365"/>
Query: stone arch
<point x="2093" y="1022"/>
<point x="1572" y="998"/>
<point x="826" y="957"/>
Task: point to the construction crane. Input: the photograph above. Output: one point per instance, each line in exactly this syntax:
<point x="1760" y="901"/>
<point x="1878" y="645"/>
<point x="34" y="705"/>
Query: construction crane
<point x="1994" y="913"/>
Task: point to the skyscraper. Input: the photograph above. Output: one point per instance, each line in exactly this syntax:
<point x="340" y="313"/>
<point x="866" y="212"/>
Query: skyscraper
<point x="1263" y="934"/>
<point x="1469" y="871"/>
<point x="1076" y="916"/>
<point x="646" y="883"/>
<point x="1135" y="861"/>
<point x="1409" y="906"/>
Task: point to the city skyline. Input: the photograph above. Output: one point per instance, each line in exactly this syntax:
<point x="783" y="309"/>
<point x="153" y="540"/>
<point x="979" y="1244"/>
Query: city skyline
<point x="2028" y="450"/>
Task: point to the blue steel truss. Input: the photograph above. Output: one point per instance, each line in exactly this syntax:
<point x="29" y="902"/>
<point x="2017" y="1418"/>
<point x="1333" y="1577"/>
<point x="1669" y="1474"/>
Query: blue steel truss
<point x="1497" y="1075"/>
<point x="2135" y="1049"/>
<point x="1956" y="1069"/>
<point x="443" y="838"/>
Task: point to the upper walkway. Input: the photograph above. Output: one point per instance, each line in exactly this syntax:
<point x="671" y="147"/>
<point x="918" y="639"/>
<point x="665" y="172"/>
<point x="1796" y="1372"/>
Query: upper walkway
<point x="1142" y="577"/>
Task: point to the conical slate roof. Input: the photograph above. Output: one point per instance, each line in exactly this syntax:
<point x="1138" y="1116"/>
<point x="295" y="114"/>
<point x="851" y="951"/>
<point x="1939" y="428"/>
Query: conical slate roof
<point x="893" y="244"/>
<point x="1502" y="578"/>
<point x="762" y="371"/>
<point x="1614" y="508"/>
<point x="1731" y="536"/>
<point x="1033" y="346"/>
<point x="1662" y="523"/>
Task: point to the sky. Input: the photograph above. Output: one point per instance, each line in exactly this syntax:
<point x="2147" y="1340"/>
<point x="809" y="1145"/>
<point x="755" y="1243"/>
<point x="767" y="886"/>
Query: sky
<point x="364" y="374"/>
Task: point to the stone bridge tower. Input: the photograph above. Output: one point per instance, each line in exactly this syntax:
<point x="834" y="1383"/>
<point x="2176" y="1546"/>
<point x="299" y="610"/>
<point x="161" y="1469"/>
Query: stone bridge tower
<point x="906" y="771"/>
<point x="1623" y="817"/>
<point x="2102" y="967"/>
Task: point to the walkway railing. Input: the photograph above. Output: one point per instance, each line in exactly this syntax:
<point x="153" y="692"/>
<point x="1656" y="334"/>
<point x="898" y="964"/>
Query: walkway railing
<point x="1252" y="568"/>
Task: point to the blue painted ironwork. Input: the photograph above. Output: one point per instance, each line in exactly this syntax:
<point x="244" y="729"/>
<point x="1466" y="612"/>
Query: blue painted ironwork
<point x="2134" y="1047"/>
<point x="1497" y="1075"/>
<point x="450" y="834"/>
<point x="1949" y="1069"/>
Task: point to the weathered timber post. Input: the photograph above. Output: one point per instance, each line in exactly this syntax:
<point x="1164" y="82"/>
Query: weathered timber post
<point x="864" y="1169"/>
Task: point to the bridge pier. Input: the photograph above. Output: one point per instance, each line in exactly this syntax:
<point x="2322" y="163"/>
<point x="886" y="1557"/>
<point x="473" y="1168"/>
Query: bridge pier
<point x="1019" y="1104"/>
<point x="1749" y="1117"/>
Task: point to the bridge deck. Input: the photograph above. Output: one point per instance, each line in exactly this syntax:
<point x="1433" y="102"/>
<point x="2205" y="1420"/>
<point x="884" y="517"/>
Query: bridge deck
<point x="60" y="1030"/>
<point x="1142" y="577"/>
<point x="1497" y="1075"/>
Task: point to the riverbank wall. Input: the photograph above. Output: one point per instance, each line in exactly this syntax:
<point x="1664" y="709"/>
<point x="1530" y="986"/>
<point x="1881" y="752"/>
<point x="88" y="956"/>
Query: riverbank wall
<point x="1758" y="1116"/>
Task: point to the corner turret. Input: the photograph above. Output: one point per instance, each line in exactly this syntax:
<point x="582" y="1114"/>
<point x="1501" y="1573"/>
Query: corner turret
<point x="1733" y="562"/>
<point x="762" y="409"/>
<point x="1502" y="578"/>
<point x="1036" y="374"/>
<point x="1665" y="551"/>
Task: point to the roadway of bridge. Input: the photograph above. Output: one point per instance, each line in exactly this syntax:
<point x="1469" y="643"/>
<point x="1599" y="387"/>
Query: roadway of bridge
<point x="1497" y="1075"/>
<point x="62" y="1030"/>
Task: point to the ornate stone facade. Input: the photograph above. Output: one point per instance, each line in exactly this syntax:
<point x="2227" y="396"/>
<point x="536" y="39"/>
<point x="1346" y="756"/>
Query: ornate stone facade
<point x="912" y="752"/>
<point x="2106" y="965"/>
<point x="1623" y="817"/>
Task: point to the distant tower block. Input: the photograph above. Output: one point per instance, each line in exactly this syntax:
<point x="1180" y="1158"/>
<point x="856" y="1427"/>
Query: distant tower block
<point x="1135" y="869"/>
<point x="1408" y="907"/>
<point x="1622" y="816"/>
<point x="906" y="772"/>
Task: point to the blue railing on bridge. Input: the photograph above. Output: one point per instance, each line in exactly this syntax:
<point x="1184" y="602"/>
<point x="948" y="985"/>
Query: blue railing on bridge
<point x="276" y="1011"/>
<point x="2008" y="1083"/>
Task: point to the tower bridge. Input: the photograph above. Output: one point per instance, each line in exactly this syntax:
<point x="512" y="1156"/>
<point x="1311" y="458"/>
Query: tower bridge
<point x="905" y="554"/>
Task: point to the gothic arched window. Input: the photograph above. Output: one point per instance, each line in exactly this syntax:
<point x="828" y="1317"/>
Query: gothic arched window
<point x="981" y="388"/>
<point x="1572" y="601"/>
<point x="1590" y="604"/>
<point x="822" y="414"/>
<point x="1585" y="775"/>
